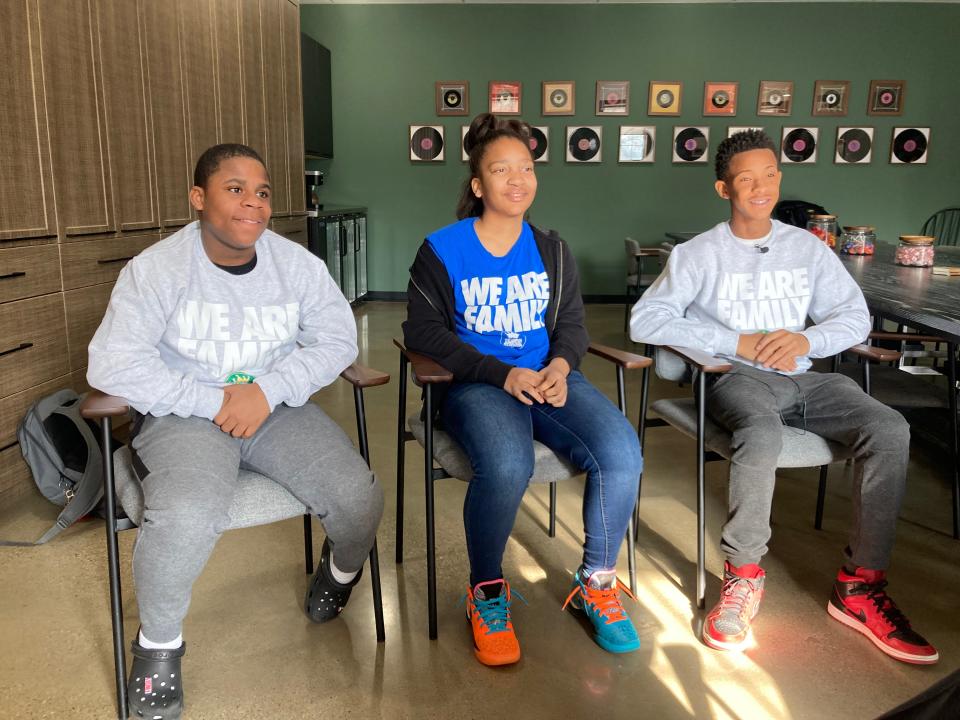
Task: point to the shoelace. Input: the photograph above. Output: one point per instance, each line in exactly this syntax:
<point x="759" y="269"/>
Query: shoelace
<point x="734" y="595"/>
<point x="605" y="600"/>
<point x="886" y="606"/>
<point x="495" y="613"/>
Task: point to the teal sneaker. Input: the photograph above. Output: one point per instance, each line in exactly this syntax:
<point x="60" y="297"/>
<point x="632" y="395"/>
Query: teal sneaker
<point x="599" y="598"/>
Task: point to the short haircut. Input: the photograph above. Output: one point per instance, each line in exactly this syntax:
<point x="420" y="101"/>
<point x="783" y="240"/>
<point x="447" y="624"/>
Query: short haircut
<point x="210" y="161"/>
<point x="737" y="143"/>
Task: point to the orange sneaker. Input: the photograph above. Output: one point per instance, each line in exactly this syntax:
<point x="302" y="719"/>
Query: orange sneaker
<point x="494" y="641"/>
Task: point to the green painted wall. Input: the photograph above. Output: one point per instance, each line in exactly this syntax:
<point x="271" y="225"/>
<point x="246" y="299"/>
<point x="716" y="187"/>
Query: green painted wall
<point x="387" y="57"/>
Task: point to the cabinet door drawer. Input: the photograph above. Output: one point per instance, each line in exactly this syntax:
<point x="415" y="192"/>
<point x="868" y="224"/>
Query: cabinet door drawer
<point x="29" y="271"/>
<point x="91" y="262"/>
<point x="33" y="342"/>
<point x="292" y="228"/>
<point x="13" y="407"/>
<point x="85" y="309"/>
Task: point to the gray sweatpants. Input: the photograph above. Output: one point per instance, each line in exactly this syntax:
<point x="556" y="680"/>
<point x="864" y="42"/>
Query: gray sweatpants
<point x="754" y="404"/>
<point x="188" y="468"/>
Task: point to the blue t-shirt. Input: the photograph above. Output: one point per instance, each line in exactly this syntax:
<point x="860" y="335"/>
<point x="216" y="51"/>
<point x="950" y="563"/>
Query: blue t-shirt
<point x="500" y="301"/>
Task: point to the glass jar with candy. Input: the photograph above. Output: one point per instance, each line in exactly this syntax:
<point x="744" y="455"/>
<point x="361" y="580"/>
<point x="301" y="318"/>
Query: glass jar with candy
<point x="825" y="228"/>
<point x="858" y="240"/>
<point x="914" y="251"/>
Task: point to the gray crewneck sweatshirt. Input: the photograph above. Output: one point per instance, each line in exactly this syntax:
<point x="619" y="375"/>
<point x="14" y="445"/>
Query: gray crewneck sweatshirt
<point x="178" y="328"/>
<point x="716" y="287"/>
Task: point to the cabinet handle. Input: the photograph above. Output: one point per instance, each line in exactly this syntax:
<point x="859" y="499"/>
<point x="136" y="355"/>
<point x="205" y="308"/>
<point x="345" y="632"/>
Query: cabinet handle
<point x="114" y="260"/>
<point x="11" y="276"/>
<point x="22" y="346"/>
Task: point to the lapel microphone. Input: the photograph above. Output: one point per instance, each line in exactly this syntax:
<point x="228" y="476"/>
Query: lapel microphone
<point x="762" y="248"/>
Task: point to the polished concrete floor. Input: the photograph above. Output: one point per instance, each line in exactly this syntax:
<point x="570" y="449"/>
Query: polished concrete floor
<point x="253" y="654"/>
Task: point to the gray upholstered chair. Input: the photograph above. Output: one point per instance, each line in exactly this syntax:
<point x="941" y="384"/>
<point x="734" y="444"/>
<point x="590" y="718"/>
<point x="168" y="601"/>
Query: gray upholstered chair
<point x="441" y="449"/>
<point x="258" y="501"/>
<point x="688" y="415"/>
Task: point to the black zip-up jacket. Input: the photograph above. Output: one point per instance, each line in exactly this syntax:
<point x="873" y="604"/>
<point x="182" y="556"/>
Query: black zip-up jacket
<point x="429" y="328"/>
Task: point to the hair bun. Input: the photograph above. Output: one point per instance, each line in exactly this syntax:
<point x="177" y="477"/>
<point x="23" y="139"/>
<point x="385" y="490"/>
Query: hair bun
<point x="485" y="124"/>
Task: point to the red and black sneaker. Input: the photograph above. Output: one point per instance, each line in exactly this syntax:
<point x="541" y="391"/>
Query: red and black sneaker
<point x="859" y="601"/>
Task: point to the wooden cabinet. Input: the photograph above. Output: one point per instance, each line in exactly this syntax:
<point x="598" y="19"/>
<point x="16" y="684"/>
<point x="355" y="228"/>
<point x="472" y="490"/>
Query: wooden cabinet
<point x="293" y="228"/>
<point x="29" y="271"/>
<point x="100" y="261"/>
<point x="275" y="104"/>
<point x="75" y="118"/>
<point x="226" y="28"/>
<point x="85" y="308"/>
<point x="25" y="183"/>
<point x="199" y="58"/>
<point x="292" y="91"/>
<point x="33" y="343"/>
<point x="252" y="77"/>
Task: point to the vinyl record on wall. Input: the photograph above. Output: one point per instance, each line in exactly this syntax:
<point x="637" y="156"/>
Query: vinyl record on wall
<point x="464" y="155"/>
<point x="799" y="145"/>
<point x="690" y="144"/>
<point x="583" y="143"/>
<point x="854" y="145"/>
<point x="540" y="143"/>
<point x="426" y="143"/>
<point x="637" y="143"/>
<point x="909" y="145"/>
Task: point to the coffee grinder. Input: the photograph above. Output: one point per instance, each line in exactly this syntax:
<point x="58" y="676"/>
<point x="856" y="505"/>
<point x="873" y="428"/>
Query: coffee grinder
<point x="314" y="180"/>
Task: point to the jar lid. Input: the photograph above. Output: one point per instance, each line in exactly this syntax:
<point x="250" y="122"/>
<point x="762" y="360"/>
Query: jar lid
<point x="859" y="228"/>
<point x="917" y="239"/>
<point x="823" y="217"/>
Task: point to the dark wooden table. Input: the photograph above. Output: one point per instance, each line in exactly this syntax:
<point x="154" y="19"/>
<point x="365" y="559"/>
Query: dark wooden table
<point x="910" y="295"/>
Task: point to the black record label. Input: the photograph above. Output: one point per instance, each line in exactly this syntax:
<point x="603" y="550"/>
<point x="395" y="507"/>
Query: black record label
<point x="830" y="99"/>
<point x="799" y="145"/>
<point x="426" y="143"/>
<point x="452" y="99"/>
<point x="909" y="145"/>
<point x="690" y="144"/>
<point x="584" y="144"/>
<point x="665" y="98"/>
<point x="558" y="98"/>
<point x="853" y="145"/>
<point x="720" y="99"/>
<point x="538" y="142"/>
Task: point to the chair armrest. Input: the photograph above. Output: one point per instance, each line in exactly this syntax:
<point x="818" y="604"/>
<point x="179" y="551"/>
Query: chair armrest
<point x="626" y="360"/>
<point x="704" y="362"/>
<point x="362" y="377"/>
<point x="874" y="353"/>
<point x="425" y="370"/>
<point x="97" y="405"/>
<point x="915" y="337"/>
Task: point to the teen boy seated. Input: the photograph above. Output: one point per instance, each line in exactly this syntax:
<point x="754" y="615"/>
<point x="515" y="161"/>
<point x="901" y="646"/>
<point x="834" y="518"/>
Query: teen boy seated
<point x="217" y="336"/>
<point x="743" y="290"/>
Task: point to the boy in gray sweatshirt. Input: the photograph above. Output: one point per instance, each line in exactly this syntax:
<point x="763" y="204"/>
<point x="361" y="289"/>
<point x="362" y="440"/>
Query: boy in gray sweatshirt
<point x="217" y="336"/>
<point x="743" y="290"/>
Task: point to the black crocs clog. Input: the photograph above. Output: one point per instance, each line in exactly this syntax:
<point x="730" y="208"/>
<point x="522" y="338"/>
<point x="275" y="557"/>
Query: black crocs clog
<point x="326" y="598"/>
<point x="154" y="690"/>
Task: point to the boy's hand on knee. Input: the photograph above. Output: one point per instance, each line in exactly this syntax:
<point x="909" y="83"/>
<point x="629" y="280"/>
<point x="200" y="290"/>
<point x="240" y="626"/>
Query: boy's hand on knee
<point x="780" y="349"/>
<point x="522" y="384"/>
<point x="553" y="385"/>
<point x="244" y="409"/>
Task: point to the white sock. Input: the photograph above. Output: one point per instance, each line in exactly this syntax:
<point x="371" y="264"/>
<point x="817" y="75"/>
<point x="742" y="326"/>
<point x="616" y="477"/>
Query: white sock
<point x="150" y="645"/>
<point x="344" y="578"/>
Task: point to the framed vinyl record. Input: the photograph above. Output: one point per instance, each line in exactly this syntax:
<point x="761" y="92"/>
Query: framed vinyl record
<point x="664" y="97"/>
<point x="613" y="97"/>
<point x="558" y="97"/>
<point x="504" y="97"/>
<point x="854" y="146"/>
<point x="637" y="143"/>
<point x="830" y="97"/>
<point x="775" y="97"/>
<point x="540" y="143"/>
<point x="426" y="143"/>
<point x="583" y="143"/>
<point x="452" y="97"/>
<point x="886" y="97"/>
<point x="799" y="145"/>
<point x="464" y="155"/>
<point x="690" y="144"/>
<point x="909" y="145"/>
<point x="720" y="98"/>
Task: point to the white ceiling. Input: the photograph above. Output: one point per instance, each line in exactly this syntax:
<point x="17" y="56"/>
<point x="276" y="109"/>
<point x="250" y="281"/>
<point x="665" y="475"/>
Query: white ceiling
<point x="576" y="2"/>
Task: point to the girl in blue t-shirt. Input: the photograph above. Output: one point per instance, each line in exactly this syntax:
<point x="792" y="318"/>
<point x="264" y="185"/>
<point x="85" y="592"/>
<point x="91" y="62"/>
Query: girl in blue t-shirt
<point x="497" y="302"/>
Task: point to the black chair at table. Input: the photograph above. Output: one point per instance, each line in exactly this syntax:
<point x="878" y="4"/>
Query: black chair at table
<point x="439" y="447"/>
<point x="258" y="501"/>
<point x="944" y="225"/>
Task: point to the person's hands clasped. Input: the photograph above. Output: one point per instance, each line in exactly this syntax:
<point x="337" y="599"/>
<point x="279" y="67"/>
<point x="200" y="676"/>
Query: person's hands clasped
<point x="523" y="384"/>
<point x="243" y="411"/>
<point x="780" y="349"/>
<point x="553" y="385"/>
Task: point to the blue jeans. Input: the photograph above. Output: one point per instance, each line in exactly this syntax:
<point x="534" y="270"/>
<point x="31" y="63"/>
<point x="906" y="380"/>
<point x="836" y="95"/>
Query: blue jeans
<point x="497" y="433"/>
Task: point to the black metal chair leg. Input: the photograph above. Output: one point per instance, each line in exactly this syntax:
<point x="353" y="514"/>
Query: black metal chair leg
<point x="701" y="510"/>
<point x="642" y="434"/>
<point x="552" y="528"/>
<point x="377" y="594"/>
<point x="431" y="539"/>
<point x="113" y="561"/>
<point x="308" y="542"/>
<point x="401" y="445"/>
<point x="821" y="495"/>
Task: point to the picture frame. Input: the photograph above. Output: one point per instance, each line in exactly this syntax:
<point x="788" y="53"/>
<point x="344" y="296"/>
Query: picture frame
<point x="464" y="155"/>
<point x="830" y="98"/>
<point x="504" y="97"/>
<point x="854" y="146"/>
<point x="691" y="144"/>
<point x="540" y="143"/>
<point x="558" y="97"/>
<point x="775" y="97"/>
<point x="452" y="97"/>
<point x="886" y="97"/>
<point x="664" y="97"/>
<point x="909" y="145"/>
<point x="426" y="143"/>
<point x="638" y="144"/>
<point x="799" y="145"/>
<point x="720" y="98"/>
<point x="613" y="97"/>
<point x="584" y="143"/>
